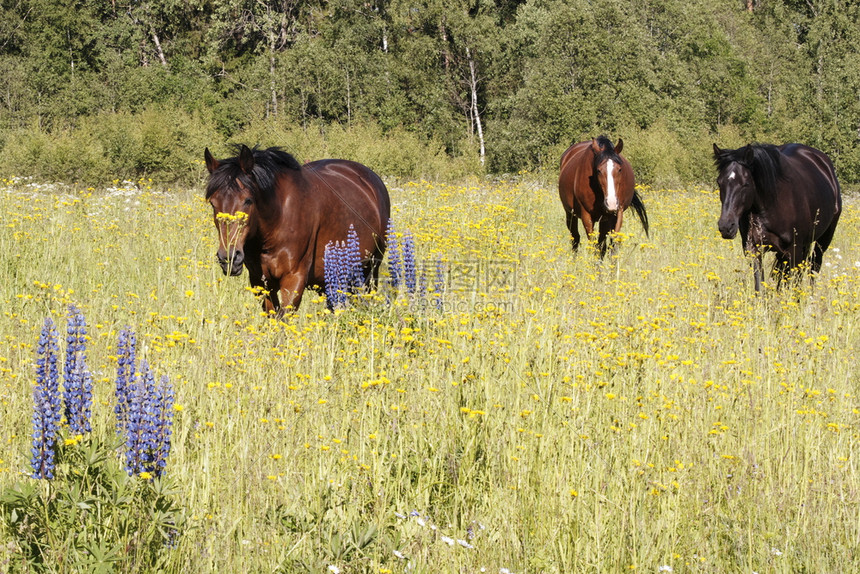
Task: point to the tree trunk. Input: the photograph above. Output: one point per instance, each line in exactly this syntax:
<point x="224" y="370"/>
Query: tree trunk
<point x="348" y="101"/>
<point x="476" y="112"/>
<point x="158" y="49"/>
<point x="272" y="84"/>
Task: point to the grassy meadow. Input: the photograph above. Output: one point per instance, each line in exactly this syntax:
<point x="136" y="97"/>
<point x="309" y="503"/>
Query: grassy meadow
<point x="646" y="413"/>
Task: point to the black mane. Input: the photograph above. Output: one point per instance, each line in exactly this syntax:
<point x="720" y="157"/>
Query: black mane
<point x="607" y="151"/>
<point x="763" y="162"/>
<point x="268" y="163"/>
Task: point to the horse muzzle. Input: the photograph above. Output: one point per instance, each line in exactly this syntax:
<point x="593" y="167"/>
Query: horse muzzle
<point x="231" y="265"/>
<point x="728" y="229"/>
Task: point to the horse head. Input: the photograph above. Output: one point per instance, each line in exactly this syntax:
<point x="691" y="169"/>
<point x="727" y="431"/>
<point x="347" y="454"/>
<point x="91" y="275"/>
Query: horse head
<point x="607" y="166"/>
<point x="737" y="187"/>
<point x="232" y="192"/>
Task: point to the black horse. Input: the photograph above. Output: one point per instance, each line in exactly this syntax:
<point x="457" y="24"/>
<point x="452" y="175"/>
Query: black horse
<point x="781" y="198"/>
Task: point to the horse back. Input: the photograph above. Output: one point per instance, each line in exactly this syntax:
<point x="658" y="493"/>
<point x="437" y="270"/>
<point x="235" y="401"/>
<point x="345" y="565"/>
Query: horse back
<point x="810" y="178"/>
<point x="346" y="193"/>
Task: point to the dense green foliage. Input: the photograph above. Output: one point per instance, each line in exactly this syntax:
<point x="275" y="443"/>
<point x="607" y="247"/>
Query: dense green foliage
<point x="96" y="90"/>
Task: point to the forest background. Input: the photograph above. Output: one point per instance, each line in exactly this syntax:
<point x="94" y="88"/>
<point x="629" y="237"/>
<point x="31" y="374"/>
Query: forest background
<point x="97" y="90"/>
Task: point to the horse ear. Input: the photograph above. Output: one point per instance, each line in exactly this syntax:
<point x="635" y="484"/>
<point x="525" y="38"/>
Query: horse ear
<point x="749" y="154"/>
<point x="595" y="147"/>
<point x="619" y="146"/>
<point x="717" y="151"/>
<point x="211" y="162"/>
<point x="246" y="159"/>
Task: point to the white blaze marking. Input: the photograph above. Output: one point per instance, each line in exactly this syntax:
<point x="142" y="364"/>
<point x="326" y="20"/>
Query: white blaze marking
<point x="732" y="176"/>
<point x="611" y="196"/>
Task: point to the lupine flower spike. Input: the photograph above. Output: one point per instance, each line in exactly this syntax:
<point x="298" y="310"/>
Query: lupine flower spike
<point x="353" y="260"/>
<point x="409" y="270"/>
<point x="148" y="427"/>
<point x="395" y="265"/>
<point x="335" y="286"/>
<point x="77" y="380"/>
<point x="46" y="398"/>
<point x="343" y="270"/>
<point x="342" y="267"/>
<point x="126" y="350"/>
<point x="164" y="407"/>
<point x="135" y="423"/>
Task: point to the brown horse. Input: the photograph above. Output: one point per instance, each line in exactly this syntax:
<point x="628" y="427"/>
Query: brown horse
<point x="276" y="217"/>
<point x="784" y="199"/>
<point x="596" y="186"/>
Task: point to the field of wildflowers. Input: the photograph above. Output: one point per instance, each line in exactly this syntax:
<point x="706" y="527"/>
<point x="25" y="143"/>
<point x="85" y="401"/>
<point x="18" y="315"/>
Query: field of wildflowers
<point x="546" y="413"/>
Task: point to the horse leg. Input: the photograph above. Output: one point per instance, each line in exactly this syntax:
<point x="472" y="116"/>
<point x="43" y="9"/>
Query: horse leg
<point x="292" y="287"/>
<point x="755" y="253"/>
<point x="816" y="259"/>
<point x="757" y="271"/>
<point x="608" y="226"/>
<point x="261" y="286"/>
<point x="820" y="246"/>
<point x="271" y="303"/>
<point x="270" y="295"/>
<point x="573" y="226"/>
<point x="751" y="250"/>
<point x="372" y="278"/>
<point x="588" y="225"/>
<point x="782" y="268"/>
<point x="618" y="219"/>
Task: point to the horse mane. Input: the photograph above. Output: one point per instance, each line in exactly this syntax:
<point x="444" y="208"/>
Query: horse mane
<point x="763" y="161"/>
<point x="268" y="164"/>
<point x="607" y="151"/>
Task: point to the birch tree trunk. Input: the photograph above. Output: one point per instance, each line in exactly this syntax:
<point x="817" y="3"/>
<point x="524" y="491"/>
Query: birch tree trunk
<point x="476" y="112"/>
<point x="158" y="49"/>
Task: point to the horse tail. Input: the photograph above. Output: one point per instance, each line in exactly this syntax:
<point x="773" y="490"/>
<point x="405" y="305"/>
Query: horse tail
<point x="640" y="210"/>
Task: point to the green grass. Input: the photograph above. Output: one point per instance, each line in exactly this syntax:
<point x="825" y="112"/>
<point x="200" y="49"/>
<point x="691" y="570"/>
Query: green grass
<point x="641" y="412"/>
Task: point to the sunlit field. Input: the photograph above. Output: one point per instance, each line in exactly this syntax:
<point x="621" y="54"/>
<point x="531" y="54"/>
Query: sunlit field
<point x="557" y="414"/>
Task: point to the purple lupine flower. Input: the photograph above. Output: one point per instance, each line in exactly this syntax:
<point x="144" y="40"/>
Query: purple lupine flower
<point x="77" y="381"/>
<point x="74" y="340"/>
<point x="125" y="373"/>
<point x="164" y="405"/>
<point x="354" y="269"/>
<point x="148" y="428"/>
<point x="409" y="271"/>
<point x="150" y="417"/>
<point x="328" y="268"/>
<point x="395" y="265"/>
<point x="135" y="424"/>
<point x="335" y="288"/>
<point x="343" y="269"/>
<point x="46" y="399"/>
